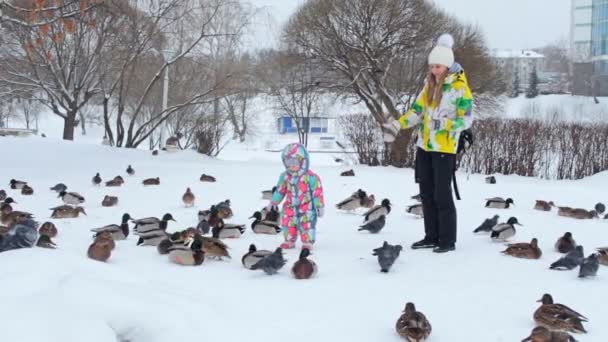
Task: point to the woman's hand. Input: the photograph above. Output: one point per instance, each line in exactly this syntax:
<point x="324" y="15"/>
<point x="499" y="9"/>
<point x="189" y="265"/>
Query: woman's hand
<point x="390" y="130"/>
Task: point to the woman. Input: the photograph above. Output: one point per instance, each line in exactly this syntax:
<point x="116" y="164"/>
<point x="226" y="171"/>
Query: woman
<point x="443" y="111"/>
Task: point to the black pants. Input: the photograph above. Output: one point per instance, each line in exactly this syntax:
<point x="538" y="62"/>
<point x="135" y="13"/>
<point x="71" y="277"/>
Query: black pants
<point x="434" y="172"/>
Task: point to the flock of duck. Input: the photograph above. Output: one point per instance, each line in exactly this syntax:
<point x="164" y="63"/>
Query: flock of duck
<point x="192" y="246"/>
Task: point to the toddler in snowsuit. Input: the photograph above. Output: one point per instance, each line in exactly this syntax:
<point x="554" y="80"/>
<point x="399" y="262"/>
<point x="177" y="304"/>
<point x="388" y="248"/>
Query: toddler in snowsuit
<point x="303" y="194"/>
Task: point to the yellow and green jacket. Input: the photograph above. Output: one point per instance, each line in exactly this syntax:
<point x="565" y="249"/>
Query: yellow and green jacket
<point x="440" y="125"/>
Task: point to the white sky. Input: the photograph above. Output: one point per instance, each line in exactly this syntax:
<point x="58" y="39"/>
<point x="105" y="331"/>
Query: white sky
<point x="507" y="24"/>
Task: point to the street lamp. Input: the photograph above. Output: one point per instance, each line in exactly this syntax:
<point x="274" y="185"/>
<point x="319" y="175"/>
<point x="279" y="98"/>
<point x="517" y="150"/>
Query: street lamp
<point x="167" y="53"/>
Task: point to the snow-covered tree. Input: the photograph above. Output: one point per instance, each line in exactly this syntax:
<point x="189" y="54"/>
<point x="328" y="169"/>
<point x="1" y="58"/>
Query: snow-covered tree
<point x="532" y="90"/>
<point x="515" y="86"/>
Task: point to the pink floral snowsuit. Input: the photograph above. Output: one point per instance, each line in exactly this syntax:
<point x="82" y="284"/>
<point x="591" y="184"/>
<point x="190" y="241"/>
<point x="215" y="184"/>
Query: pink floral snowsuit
<point x="303" y="194"/>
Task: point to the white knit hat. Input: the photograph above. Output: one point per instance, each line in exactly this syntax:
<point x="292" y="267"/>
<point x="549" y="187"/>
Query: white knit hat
<point x="442" y="53"/>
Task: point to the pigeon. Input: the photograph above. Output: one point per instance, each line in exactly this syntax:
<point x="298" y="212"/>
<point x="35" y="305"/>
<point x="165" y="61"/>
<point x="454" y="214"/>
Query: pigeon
<point x="387" y="254"/>
<point x="60" y="187"/>
<point x="130" y="171"/>
<point x="600" y="208"/>
<point x="96" y="179"/>
<point x="589" y="266"/>
<point x="272" y="263"/>
<point x="543" y="334"/>
<point x="374" y="226"/>
<point x="570" y="260"/>
<point x="487" y="225"/>
<point x="23" y="235"/>
<point x="565" y="244"/>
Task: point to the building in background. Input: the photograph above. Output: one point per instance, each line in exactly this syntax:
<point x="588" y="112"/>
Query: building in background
<point x="519" y="63"/>
<point x="580" y="30"/>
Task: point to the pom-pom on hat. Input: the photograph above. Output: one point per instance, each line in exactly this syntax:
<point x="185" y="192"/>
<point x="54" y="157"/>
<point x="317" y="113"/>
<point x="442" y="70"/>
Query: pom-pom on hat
<point x="442" y="53"/>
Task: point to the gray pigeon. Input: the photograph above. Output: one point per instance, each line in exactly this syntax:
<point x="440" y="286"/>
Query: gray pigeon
<point x="570" y="260"/>
<point x="600" y="208"/>
<point x="589" y="266"/>
<point x="23" y="235"/>
<point x="374" y="226"/>
<point x="203" y="227"/>
<point x="487" y="225"/>
<point x="272" y="263"/>
<point x="59" y="188"/>
<point x="387" y="254"/>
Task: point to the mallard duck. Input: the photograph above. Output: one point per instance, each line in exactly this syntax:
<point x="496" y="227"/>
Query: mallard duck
<point x="152" y="223"/>
<point x="354" y="201"/>
<point x="151" y="181"/>
<point x="558" y="316"/>
<point x="11" y="217"/>
<point x="2" y="195"/>
<point x="102" y="236"/>
<point x="272" y="215"/>
<point x="600" y="208"/>
<point x="272" y="263"/>
<point x="96" y="179"/>
<point x="542" y="334"/>
<point x="151" y="237"/>
<point x="71" y="198"/>
<point x="228" y="231"/>
<point x="505" y="231"/>
<point x="59" y="187"/>
<point x="166" y="245"/>
<point x="17" y="184"/>
<point x="44" y="241"/>
<point x="374" y="226"/>
<point x="499" y="203"/>
<point x="349" y="173"/>
<point x="27" y="190"/>
<point x="188" y="254"/>
<point x="67" y="211"/>
<point x="100" y="250"/>
<point x="207" y="178"/>
<point x="564" y="211"/>
<point x="589" y="266"/>
<point x="109" y="201"/>
<point x="188" y="198"/>
<point x="214" y="247"/>
<point x="543" y="205"/>
<point x="379" y="210"/>
<point x="4" y="230"/>
<point x="565" y="244"/>
<point x="487" y="225"/>
<point x="582" y="214"/>
<point x="415" y="209"/>
<point x="9" y="200"/>
<point x="49" y="229"/>
<point x="267" y="194"/>
<point x="603" y="255"/>
<point x="491" y="180"/>
<point x="118" y="232"/>
<point x="253" y="256"/>
<point x="117" y="181"/>
<point x="130" y="171"/>
<point x="524" y="250"/>
<point x="304" y="268"/>
<point x="387" y="254"/>
<point x="413" y="326"/>
<point x="224" y="211"/>
<point x="264" y="227"/>
<point x="570" y="261"/>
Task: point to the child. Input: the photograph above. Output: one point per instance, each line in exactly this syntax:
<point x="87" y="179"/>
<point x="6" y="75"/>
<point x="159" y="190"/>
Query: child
<point x="301" y="188"/>
<point x="443" y="110"/>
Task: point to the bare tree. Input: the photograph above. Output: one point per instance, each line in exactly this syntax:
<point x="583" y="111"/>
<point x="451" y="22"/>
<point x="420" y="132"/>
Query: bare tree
<point x="365" y="135"/>
<point x="53" y="49"/>
<point x="185" y="29"/>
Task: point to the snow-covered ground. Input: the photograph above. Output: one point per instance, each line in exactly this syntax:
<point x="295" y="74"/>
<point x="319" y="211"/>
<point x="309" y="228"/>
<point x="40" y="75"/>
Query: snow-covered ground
<point x="473" y="294"/>
<point x="568" y="108"/>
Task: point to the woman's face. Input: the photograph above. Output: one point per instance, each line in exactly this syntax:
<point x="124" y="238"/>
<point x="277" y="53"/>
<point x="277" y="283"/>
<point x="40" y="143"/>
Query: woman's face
<point x="438" y="70"/>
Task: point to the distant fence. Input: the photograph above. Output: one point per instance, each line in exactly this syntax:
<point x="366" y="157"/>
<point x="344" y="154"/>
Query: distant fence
<point x="17" y="132"/>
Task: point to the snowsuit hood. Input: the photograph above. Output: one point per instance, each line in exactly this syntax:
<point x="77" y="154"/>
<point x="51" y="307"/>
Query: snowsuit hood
<point x="298" y="151"/>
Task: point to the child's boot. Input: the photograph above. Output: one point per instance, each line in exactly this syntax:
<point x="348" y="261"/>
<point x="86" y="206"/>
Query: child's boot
<point x="288" y="245"/>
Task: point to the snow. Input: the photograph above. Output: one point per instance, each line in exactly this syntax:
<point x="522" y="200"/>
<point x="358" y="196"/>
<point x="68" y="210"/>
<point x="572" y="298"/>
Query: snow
<point x="506" y="53"/>
<point x="568" y="108"/>
<point x="472" y="294"/>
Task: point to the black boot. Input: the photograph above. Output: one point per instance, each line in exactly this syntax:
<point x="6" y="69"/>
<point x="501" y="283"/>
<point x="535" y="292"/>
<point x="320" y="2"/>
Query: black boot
<point x="424" y="244"/>
<point x="444" y="249"/>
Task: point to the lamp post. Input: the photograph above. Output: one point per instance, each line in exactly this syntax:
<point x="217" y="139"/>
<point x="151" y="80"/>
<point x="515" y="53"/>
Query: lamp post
<point x="167" y="55"/>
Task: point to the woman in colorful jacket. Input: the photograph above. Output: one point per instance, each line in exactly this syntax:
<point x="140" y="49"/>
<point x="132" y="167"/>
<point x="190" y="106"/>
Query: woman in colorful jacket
<point x="303" y="193"/>
<point x="442" y="111"/>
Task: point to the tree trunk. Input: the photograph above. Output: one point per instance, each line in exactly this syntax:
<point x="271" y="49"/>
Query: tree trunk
<point x="399" y="154"/>
<point x="68" y="125"/>
<point x="106" y="121"/>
